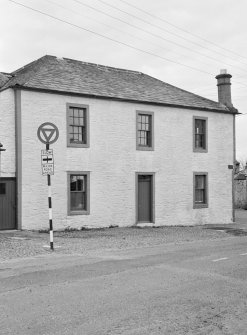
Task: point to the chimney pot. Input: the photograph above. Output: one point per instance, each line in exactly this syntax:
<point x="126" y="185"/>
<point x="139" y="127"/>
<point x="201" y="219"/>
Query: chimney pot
<point x="223" y="71"/>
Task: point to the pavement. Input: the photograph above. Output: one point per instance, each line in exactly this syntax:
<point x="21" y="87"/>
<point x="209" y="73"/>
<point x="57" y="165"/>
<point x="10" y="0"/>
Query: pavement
<point x="241" y="221"/>
<point x="22" y="244"/>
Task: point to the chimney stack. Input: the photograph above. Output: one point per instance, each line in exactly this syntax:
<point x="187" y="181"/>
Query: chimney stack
<point x="224" y="88"/>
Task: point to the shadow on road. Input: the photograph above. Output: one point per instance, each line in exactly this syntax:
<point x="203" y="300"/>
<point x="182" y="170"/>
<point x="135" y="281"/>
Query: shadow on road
<point x="239" y="228"/>
<point x="232" y="231"/>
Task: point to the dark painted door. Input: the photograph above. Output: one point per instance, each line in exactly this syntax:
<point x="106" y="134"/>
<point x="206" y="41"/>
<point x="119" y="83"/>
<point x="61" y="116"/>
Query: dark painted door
<point x="144" y="198"/>
<point x="7" y="203"/>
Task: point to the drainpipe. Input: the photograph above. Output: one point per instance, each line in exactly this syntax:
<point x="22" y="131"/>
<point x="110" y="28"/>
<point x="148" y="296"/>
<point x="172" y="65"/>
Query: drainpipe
<point x="225" y="98"/>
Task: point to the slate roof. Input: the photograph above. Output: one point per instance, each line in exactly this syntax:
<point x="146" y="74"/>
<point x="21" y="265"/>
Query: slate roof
<point x="4" y="77"/>
<point x="240" y="176"/>
<point x="71" y="76"/>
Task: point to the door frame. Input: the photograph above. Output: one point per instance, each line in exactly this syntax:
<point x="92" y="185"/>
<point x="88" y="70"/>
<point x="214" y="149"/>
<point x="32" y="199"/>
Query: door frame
<point x="152" y="174"/>
<point x="2" y="179"/>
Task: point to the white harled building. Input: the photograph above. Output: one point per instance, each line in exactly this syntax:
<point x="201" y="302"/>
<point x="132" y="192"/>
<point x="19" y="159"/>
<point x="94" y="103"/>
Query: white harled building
<point x="132" y="150"/>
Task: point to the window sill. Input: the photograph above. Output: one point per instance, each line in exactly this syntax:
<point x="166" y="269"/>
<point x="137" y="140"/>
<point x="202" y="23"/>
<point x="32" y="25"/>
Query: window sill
<point x="71" y="213"/>
<point x="144" y="148"/>
<point x="200" y="150"/>
<point x="200" y="206"/>
<point x="77" y="145"/>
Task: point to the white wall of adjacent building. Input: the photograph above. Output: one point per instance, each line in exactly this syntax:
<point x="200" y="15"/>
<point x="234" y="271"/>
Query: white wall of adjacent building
<point x="7" y="133"/>
<point x="113" y="161"/>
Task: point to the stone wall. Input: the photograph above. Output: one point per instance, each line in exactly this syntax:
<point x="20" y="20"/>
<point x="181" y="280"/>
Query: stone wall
<point x="240" y="193"/>
<point x="7" y="133"/>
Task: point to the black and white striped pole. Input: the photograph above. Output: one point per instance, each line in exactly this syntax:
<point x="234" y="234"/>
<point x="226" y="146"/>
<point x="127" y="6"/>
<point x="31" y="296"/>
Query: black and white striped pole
<point x="50" y="205"/>
<point x="48" y="133"/>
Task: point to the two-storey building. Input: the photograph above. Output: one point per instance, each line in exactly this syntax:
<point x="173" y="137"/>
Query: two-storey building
<point x="131" y="149"/>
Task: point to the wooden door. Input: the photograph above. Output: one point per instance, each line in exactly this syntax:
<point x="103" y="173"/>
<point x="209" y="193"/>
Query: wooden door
<point x="145" y="198"/>
<point x="7" y="203"/>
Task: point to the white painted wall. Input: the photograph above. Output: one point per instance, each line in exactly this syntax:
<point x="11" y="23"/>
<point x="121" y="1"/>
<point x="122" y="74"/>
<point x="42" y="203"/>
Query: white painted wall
<point x="7" y="133"/>
<point x="112" y="160"/>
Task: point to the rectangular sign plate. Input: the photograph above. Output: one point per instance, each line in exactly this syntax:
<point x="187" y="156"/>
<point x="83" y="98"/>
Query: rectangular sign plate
<point x="47" y="169"/>
<point x="47" y="162"/>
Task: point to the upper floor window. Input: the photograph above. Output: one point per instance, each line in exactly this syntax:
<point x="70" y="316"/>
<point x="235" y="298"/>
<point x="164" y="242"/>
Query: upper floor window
<point x="200" y="134"/>
<point x="144" y="131"/>
<point x="77" y="125"/>
<point x="200" y="189"/>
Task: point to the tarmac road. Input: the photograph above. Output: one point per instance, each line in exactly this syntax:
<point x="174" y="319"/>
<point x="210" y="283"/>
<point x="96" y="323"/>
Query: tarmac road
<point x="195" y="287"/>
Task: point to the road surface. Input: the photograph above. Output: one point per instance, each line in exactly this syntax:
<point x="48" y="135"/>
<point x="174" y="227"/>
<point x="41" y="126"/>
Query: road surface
<point x="196" y="287"/>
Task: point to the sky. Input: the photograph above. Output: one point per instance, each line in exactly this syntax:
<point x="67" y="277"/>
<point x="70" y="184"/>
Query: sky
<point x="183" y="43"/>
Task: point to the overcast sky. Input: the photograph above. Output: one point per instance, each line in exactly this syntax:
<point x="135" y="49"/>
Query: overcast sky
<point x="184" y="43"/>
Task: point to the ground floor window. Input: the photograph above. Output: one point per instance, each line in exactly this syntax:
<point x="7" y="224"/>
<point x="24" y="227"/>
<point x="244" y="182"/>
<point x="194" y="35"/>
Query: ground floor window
<point x="200" y="189"/>
<point x="78" y="193"/>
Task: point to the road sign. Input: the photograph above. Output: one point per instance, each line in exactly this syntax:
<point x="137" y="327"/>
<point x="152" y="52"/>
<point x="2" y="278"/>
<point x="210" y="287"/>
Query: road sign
<point x="47" y="133"/>
<point x="47" y="162"/>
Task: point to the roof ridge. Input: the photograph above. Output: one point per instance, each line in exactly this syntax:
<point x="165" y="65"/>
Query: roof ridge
<point x="100" y="65"/>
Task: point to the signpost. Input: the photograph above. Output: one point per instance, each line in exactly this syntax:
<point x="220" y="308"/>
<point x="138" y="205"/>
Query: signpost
<point x="48" y="133"/>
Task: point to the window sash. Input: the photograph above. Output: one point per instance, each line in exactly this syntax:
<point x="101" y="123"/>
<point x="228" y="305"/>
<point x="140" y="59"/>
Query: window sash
<point x="200" y="141"/>
<point x="78" y="201"/>
<point x="144" y="130"/>
<point x="200" y="134"/>
<point x="200" y="189"/>
<point x="77" y="125"/>
<point x="78" y="192"/>
<point x="200" y="126"/>
<point x="200" y="196"/>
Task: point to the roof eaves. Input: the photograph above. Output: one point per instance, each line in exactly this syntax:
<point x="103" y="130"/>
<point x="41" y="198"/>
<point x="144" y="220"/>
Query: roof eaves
<point x="187" y="92"/>
<point x="43" y="90"/>
<point x="7" y="74"/>
<point x="240" y="176"/>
